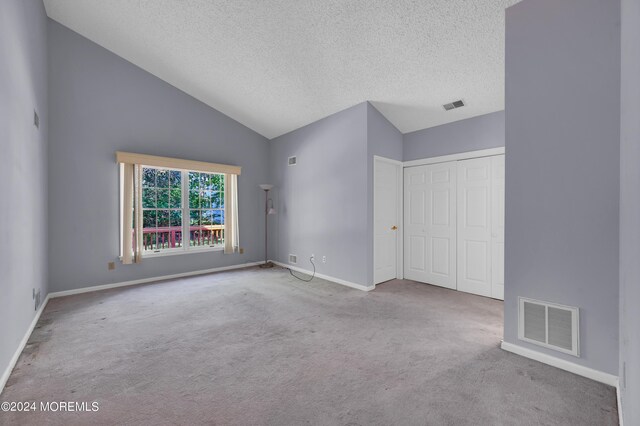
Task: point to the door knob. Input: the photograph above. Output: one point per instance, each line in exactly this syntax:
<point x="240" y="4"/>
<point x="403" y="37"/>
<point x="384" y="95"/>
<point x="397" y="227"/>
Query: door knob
<point x="393" y="228"/>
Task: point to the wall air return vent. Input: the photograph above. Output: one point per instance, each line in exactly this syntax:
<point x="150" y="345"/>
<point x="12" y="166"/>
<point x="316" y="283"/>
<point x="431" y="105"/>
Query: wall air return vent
<point x="293" y="161"/>
<point x="550" y="325"/>
<point x="453" y="105"/>
<point x="293" y="259"/>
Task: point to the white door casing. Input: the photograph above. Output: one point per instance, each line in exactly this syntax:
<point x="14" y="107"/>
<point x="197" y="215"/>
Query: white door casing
<point x="430" y="224"/>
<point x="386" y="219"/>
<point x="497" y="227"/>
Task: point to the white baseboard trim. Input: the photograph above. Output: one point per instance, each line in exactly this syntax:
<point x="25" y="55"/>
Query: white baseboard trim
<point x="619" y="399"/>
<point x="326" y="277"/>
<point x="572" y="367"/>
<point x="23" y="343"/>
<point x="149" y="280"/>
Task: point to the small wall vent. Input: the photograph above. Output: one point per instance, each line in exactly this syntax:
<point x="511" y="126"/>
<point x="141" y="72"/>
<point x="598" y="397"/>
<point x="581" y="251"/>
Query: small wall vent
<point x="549" y="325"/>
<point x="293" y="161"/>
<point x="293" y="259"/>
<point x="453" y="105"/>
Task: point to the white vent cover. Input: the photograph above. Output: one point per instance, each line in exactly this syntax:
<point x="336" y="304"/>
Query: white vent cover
<point x="293" y="161"/>
<point x="293" y="258"/>
<point x="549" y="325"/>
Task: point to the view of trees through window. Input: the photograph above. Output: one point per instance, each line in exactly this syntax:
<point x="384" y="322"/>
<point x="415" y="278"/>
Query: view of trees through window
<point x="171" y="196"/>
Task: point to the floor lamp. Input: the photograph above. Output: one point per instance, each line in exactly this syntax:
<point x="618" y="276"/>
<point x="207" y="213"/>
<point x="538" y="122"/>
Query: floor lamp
<point x="267" y="211"/>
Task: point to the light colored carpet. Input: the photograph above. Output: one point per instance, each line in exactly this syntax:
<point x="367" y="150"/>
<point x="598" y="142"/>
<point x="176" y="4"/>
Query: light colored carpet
<point x="256" y="347"/>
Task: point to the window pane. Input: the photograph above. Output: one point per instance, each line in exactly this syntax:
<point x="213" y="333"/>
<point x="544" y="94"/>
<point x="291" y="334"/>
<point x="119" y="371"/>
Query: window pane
<point x="148" y="198"/>
<point x="149" y="219"/>
<point x="205" y="199"/>
<point x="194" y="217"/>
<point x="204" y="181"/>
<point x="216" y="200"/>
<point x="206" y="204"/>
<point x="163" y="240"/>
<point x="175" y="200"/>
<point x="217" y="182"/>
<point x="163" y="198"/>
<point x="178" y="238"/>
<point x="194" y="199"/>
<point x="218" y="217"/>
<point x="148" y="177"/>
<point x="162" y="180"/>
<point x="175" y="178"/>
<point x="194" y="180"/>
<point x="149" y="240"/>
<point x="163" y="218"/>
<point x="207" y="217"/>
<point x="175" y="218"/>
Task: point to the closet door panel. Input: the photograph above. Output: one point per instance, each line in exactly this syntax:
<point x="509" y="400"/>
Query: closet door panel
<point x="430" y="224"/>
<point x="474" y="226"/>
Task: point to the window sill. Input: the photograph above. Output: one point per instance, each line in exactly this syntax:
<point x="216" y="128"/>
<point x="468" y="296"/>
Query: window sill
<point x="180" y="252"/>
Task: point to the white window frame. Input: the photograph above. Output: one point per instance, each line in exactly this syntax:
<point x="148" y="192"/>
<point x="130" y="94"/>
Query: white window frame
<point x="186" y="224"/>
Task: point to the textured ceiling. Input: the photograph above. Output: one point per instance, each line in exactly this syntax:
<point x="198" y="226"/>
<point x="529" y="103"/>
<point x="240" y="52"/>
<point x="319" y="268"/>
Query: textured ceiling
<point x="278" y="65"/>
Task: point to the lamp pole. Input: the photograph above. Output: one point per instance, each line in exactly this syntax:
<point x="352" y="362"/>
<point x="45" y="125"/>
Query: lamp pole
<point x="266" y="187"/>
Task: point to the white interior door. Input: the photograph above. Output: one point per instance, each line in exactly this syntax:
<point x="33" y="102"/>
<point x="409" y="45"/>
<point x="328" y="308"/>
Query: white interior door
<point x="474" y="226"/>
<point x="430" y="224"/>
<point x="386" y="220"/>
<point x="497" y="227"/>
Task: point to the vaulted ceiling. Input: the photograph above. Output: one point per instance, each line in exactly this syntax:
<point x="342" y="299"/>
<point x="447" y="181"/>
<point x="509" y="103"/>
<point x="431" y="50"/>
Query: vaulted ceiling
<point x="278" y="65"/>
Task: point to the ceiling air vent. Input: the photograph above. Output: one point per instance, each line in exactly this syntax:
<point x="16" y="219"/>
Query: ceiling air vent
<point x="293" y="161"/>
<point x="549" y="325"/>
<point x="453" y="105"/>
<point x="293" y="259"/>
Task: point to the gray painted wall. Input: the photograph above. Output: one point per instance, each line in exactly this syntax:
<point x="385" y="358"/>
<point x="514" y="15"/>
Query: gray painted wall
<point x="101" y="103"/>
<point x="23" y="149"/>
<point x="383" y="140"/>
<point x="322" y="202"/>
<point x="482" y="132"/>
<point x="562" y="167"/>
<point x="630" y="213"/>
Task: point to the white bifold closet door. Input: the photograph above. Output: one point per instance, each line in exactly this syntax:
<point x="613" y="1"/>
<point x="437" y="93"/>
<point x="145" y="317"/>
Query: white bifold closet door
<point x="430" y="224"/>
<point x="454" y="225"/>
<point x="474" y="226"/>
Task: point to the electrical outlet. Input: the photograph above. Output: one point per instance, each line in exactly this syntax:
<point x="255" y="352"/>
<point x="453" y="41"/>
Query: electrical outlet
<point x="241" y="250"/>
<point x="324" y="259"/>
<point x="111" y="266"/>
<point x="313" y="256"/>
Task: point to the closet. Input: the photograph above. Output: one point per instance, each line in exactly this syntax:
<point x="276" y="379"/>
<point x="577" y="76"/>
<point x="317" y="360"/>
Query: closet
<point x="454" y="225"/>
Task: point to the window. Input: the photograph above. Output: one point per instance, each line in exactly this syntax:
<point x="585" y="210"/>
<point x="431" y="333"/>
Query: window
<point x="166" y="202"/>
<point x="206" y="209"/>
<point x="172" y="206"/>
<point x="161" y="209"/>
